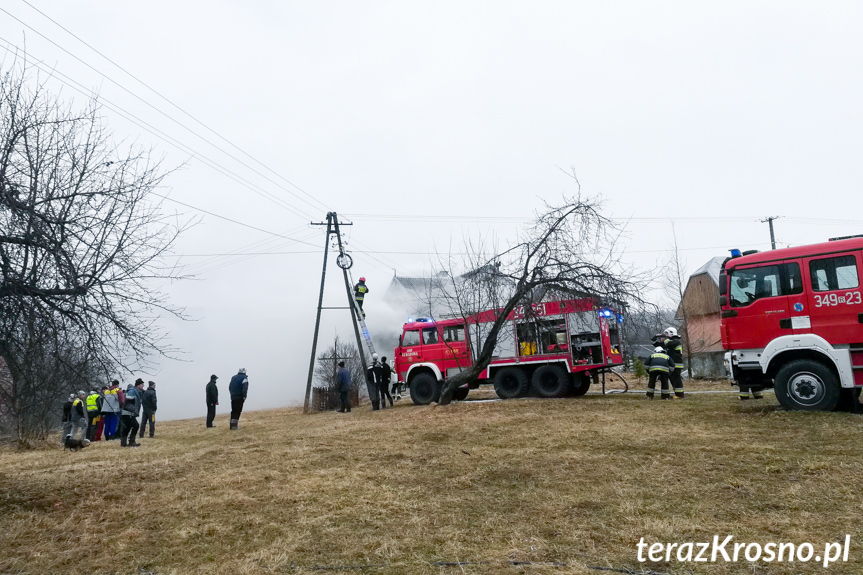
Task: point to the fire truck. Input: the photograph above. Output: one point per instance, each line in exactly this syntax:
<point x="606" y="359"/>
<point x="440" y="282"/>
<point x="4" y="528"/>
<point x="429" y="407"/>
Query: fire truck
<point x="550" y="349"/>
<point x="791" y="319"/>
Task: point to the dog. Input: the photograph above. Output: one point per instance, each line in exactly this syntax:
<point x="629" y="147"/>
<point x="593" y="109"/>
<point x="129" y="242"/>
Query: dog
<point x="74" y="444"/>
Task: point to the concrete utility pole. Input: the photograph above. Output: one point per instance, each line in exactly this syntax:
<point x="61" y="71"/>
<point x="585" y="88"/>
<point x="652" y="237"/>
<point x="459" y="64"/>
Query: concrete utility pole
<point x="344" y="262"/>
<point x="770" y="222"/>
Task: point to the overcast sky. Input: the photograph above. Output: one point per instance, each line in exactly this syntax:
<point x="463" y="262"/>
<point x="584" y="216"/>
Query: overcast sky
<point x="427" y="122"/>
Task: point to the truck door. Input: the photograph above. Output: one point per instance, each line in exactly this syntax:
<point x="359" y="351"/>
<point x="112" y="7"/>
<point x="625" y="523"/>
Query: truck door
<point x="762" y="311"/>
<point x="834" y="297"/>
<point x="432" y="347"/>
<point x="455" y="344"/>
<point x="409" y="352"/>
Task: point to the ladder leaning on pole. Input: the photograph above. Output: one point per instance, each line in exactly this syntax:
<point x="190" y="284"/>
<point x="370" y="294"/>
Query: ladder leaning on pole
<point x="362" y="320"/>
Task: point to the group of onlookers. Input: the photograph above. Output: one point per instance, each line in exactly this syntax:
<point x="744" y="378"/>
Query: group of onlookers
<point x="110" y="412"/>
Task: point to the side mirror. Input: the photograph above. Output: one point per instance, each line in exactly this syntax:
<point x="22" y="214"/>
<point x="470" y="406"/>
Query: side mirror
<point x="723" y="301"/>
<point x="723" y="283"/>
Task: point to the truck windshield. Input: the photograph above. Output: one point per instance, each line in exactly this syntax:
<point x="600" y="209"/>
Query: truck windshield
<point x="410" y="338"/>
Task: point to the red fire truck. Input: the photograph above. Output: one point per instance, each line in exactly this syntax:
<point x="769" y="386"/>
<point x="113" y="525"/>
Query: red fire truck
<point x="553" y="348"/>
<point x="791" y="319"/>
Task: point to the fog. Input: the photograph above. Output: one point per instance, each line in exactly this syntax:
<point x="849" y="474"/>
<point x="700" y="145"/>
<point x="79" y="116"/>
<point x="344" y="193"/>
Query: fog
<point x="424" y="124"/>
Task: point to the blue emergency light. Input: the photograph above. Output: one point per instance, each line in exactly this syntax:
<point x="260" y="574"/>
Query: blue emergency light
<point x="410" y="320"/>
<point x="735" y="253"/>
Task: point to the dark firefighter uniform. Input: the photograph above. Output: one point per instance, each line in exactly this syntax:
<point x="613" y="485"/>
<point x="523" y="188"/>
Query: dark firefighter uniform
<point x="360" y="291"/>
<point x="675" y="352"/>
<point x="658" y="366"/>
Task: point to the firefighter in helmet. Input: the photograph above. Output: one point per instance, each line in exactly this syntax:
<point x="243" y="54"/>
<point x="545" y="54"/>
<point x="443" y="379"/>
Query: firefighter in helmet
<point x="675" y="351"/>
<point x="360" y="291"/>
<point x="658" y="365"/>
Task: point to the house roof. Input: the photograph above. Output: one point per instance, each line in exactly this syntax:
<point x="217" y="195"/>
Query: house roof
<point x="711" y="268"/>
<point x="420" y="286"/>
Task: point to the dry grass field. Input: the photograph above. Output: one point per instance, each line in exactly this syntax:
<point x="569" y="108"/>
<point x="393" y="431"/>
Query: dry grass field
<point x="522" y="486"/>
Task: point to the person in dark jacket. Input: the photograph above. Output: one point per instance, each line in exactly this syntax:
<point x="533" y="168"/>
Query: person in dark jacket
<point x="658" y="365"/>
<point x="238" y="388"/>
<point x="212" y="400"/>
<point x="374" y="374"/>
<point x="386" y="375"/>
<point x="674" y="349"/>
<point x="129" y="415"/>
<point x="148" y="404"/>
<point x="79" y="417"/>
<point x="67" y="418"/>
<point x="343" y="379"/>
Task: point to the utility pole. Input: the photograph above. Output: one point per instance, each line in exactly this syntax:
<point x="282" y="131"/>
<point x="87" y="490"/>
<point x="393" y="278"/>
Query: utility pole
<point x="772" y="238"/>
<point x="344" y="262"/>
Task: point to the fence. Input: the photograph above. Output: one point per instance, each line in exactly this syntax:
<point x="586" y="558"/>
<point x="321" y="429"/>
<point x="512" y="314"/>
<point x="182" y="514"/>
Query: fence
<point x="327" y="398"/>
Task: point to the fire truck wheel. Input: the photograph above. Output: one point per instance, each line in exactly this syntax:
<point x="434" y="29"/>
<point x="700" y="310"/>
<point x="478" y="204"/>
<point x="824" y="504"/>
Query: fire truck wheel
<point x="807" y="385"/>
<point x="550" y="381"/>
<point x="424" y="389"/>
<point x="580" y="383"/>
<point x="510" y="382"/>
<point x="460" y="394"/>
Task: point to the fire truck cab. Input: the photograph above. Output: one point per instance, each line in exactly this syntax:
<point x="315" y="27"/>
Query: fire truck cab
<point x="552" y="349"/>
<point x="792" y="319"/>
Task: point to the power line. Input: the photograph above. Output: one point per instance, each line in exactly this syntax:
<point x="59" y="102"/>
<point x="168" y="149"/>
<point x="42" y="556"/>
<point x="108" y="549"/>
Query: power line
<point x="166" y="99"/>
<point x="153" y="130"/>
<point x="142" y="100"/>
<point x="239" y="223"/>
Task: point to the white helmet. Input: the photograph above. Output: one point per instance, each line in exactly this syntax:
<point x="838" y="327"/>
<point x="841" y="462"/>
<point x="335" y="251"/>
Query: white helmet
<point x="670" y="332"/>
<point x="659" y="349"/>
<point x="375" y="356"/>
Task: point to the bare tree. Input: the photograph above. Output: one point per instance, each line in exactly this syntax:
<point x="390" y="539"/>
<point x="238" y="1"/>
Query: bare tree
<point x="82" y="240"/>
<point x="673" y="280"/>
<point x="327" y="365"/>
<point x="568" y="249"/>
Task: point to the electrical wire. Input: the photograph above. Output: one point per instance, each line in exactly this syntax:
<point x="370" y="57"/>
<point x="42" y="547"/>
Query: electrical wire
<point x="39" y="64"/>
<point x="168" y="116"/>
<point x="166" y="99"/>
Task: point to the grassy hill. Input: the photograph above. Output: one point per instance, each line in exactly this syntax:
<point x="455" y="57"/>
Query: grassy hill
<point x="522" y="486"/>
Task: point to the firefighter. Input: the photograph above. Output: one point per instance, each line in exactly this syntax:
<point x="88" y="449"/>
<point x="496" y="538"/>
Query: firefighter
<point x="94" y="413"/>
<point x="360" y="291"/>
<point x="748" y="391"/>
<point x="374" y="375"/>
<point x="675" y="351"/>
<point x="386" y="375"/>
<point x="658" y="366"/>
